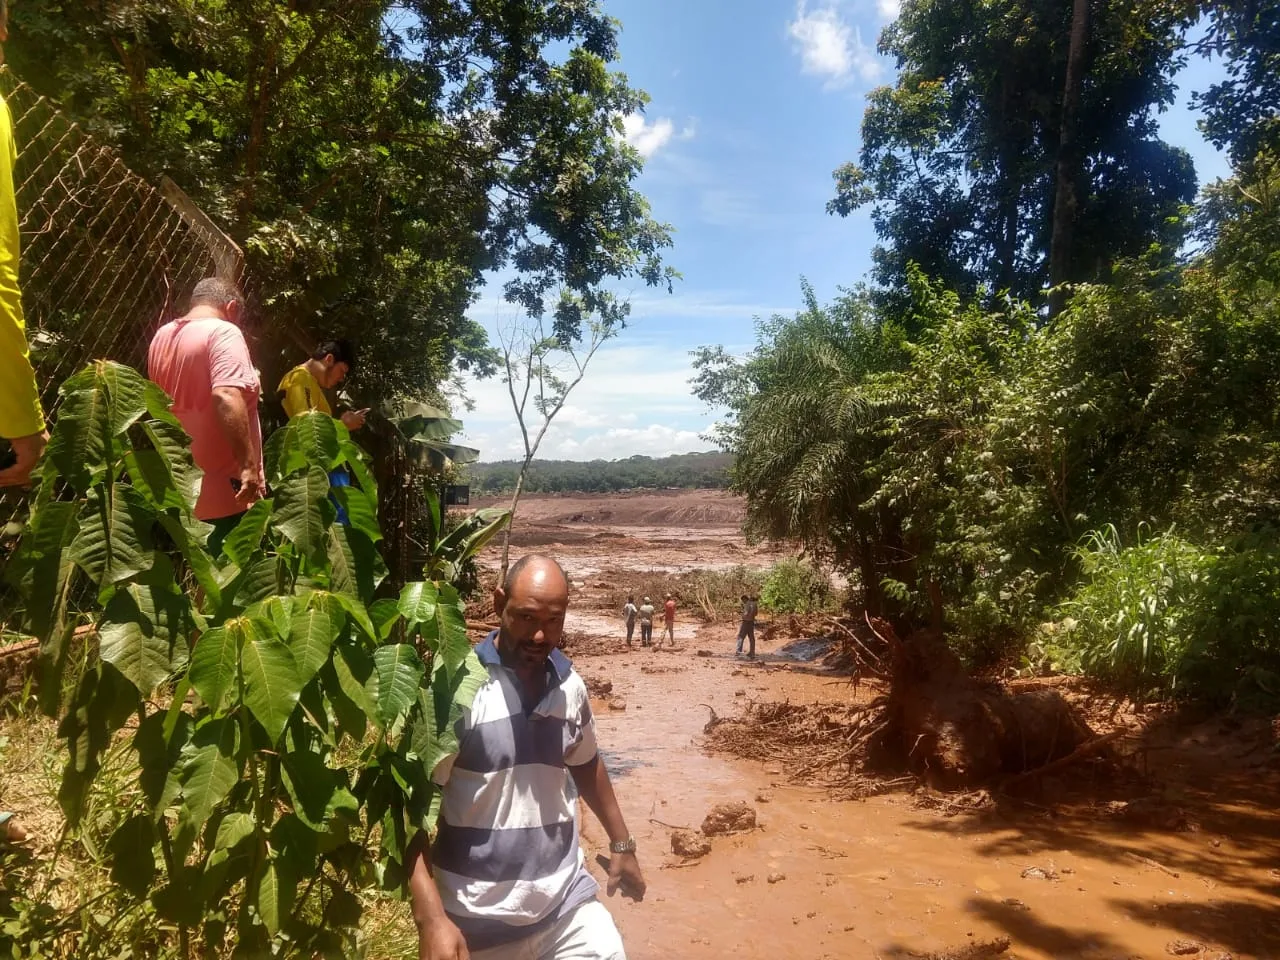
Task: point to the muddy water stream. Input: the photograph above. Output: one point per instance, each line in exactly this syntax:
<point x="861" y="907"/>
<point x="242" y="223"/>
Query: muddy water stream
<point x="882" y="878"/>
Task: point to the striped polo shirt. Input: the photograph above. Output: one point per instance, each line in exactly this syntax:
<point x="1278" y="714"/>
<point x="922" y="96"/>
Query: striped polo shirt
<point x="506" y="857"/>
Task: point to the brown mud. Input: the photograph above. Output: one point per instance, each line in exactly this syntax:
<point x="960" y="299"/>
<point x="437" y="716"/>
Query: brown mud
<point x="1177" y="852"/>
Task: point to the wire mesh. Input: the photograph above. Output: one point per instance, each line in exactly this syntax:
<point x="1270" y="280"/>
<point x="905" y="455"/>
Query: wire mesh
<point x="105" y="256"/>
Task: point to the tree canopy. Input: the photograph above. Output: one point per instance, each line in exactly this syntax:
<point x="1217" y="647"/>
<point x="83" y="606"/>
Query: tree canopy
<point x="374" y="159"/>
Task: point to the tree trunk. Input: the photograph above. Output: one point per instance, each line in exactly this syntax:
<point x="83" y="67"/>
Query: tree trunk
<point x="1065" y="201"/>
<point x="506" y="534"/>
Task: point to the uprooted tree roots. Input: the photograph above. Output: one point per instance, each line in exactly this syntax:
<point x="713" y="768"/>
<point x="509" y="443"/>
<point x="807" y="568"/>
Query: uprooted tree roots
<point x="935" y="723"/>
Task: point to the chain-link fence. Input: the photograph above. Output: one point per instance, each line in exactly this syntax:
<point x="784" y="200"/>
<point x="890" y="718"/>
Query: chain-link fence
<point x="105" y="256"/>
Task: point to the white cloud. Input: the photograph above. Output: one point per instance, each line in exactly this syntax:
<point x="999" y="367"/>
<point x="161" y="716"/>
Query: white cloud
<point x="650" y="137"/>
<point x="829" y="47"/>
<point x="634" y="399"/>
<point x="889" y="9"/>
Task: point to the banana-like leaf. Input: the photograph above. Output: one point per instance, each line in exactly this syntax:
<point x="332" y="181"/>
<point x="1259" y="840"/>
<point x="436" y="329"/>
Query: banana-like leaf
<point x="473" y="534"/>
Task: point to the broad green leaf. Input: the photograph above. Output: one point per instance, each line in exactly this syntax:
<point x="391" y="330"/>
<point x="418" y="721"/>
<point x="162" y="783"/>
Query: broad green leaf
<point x="278" y="611"/>
<point x="356" y="568"/>
<point x="311" y="635"/>
<point x="354" y="670"/>
<point x="271" y="682"/>
<point x="78" y="443"/>
<point x="303" y="514"/>
<point x="360" y="512"/>
<point x="160" y="405"/>
<point x="114" y="541"/>
<point x="263" y="578"/>
<point x="316" y="437"/>
<point x="189" y="535"/>
<point x="397" y="671"/>
<point x="234" y="829"/>
<point x="467" y="680"/>
<point x="42" y="568"/>
<point x="271" y="898"/>
<point x="126" y="395"/>
<point x="358" y="613"/>
<point x="133" y="862"/>
<point x="173" y="447"/>
<point x="215" y="664"/>
<point x="160" y="770"/>
<point x="142" y="632"/>
<point x="317" y="792"/>
<point x="354" y="458"/>
<point x="450" y="633"/>
<point x="418" y="602"/>
<point x="209" y="770"/>
<point x="243" y="542"/>
<point x="383" y="614"/>
<point x="103" y="701"/>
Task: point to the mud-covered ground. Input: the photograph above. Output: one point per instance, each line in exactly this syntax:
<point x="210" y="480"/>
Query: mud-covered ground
<point x="1177" y="853"/>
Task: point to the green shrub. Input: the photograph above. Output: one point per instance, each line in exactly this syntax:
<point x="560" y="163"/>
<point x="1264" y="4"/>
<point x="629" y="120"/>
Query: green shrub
<point x="795" y="586"/>
<point x="1168" y="616"/>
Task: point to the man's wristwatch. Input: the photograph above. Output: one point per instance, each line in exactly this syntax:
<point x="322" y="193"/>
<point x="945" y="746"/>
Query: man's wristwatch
<point x="623" y="846"/>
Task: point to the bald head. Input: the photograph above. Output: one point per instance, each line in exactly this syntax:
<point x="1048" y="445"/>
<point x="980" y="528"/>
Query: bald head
<point x="531" y="605"/>
<point x="537" y="565"/>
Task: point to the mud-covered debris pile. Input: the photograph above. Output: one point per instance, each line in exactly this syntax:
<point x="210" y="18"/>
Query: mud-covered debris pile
<point x="687" y="844"/>
<point x="933" y="722"/>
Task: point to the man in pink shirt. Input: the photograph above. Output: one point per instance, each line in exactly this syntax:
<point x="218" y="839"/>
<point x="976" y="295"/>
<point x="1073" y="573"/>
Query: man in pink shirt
<point x="202" y="361"/>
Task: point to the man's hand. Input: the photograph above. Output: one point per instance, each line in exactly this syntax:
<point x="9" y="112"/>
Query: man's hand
<point x="442" y="940"/>
<point x="27" y="450"/>
<point x="252" y="489"/>
<point x="624" y="875"/>
<point x="354" y="419"/>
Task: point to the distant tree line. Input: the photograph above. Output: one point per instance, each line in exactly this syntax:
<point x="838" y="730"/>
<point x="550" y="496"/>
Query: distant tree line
<point x="685" y="470"/>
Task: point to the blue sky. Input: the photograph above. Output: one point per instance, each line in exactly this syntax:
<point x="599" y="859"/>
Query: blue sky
<point x="754" y="104"/>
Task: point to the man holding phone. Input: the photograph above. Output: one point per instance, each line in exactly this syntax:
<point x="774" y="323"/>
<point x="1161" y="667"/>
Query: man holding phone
<point x="303" y="389"/>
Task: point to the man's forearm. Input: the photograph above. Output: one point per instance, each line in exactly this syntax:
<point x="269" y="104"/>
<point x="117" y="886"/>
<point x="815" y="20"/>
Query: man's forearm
<point x="596" y="789"/>
<point x="427" y="906"/>
<point x="233" y="418"/>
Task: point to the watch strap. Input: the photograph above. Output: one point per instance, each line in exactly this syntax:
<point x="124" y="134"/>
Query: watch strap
<point x="623" y="846"/>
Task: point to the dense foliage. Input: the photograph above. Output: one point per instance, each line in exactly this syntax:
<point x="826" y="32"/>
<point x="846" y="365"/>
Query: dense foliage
<point x="982" y="467"/>
<point x="685" y="470"/>
<point x="374" y="158"/>
<point x="267" y="723"/>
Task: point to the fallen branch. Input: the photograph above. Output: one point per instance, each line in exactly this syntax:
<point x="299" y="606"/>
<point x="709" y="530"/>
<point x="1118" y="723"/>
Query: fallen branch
<point x="1079" y="753"/>
<point x="1153" y="863"/>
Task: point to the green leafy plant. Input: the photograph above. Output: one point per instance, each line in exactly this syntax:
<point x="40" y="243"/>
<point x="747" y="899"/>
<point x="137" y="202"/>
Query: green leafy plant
<point x="451" y="548"/>
<point x="283" y="743"/>
<point x="794" y="586"/>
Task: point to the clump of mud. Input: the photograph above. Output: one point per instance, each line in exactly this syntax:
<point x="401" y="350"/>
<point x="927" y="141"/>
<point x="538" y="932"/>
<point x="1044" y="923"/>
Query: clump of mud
<point x="687" y="844"/>
<point x="727" y="818"/>
<point x="934" y="723"/>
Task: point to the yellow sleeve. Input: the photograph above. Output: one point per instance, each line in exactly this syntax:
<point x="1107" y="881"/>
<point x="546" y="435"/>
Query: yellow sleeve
<point x="20" y="413"/>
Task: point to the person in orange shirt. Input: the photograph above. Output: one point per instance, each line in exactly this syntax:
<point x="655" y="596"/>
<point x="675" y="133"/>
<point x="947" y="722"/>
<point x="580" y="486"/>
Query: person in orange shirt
<point x="669" y="618"/>
<point x="21" y="417"/>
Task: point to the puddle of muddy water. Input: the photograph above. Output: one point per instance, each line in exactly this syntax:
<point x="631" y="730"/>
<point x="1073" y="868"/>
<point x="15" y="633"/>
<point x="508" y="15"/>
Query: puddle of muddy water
<point x="806" y="650"/>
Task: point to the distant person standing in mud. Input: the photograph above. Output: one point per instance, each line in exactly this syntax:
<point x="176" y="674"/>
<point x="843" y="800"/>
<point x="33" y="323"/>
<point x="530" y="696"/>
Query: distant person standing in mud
<point x="646" y="622"/>
<point x="748" y="629"/>
<point x="669" y="620"/>
<point x="629" y="613"/>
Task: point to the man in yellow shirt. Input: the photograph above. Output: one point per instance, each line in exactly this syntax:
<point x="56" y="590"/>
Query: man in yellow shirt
<point x="21" y="418"/>
<point x="303" y="388"/>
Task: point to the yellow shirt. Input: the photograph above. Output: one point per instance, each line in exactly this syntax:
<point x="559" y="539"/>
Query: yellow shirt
<point x="20" y="414"/>
<point x="300" y="391"/>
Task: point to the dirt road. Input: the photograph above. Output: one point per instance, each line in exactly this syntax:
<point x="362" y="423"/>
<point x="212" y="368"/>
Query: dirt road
<point x="889" y="877"/>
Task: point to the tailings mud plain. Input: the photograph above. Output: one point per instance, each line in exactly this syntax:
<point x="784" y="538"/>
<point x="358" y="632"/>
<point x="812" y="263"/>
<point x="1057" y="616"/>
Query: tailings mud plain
<point x="891" y="876"/>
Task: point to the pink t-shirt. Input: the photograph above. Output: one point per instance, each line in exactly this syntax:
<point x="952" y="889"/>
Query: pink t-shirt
<point x="189" y="359"/>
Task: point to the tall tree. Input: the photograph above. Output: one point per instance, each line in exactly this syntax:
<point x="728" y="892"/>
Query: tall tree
<point x="374" y="158"/>
<point x="959" y="158"/>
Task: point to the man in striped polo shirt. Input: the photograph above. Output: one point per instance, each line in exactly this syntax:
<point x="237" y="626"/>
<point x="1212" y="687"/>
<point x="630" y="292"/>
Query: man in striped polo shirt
<point x="504" y="878"/>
